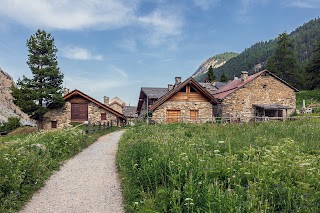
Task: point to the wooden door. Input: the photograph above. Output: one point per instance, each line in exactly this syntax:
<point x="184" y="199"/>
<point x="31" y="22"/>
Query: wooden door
<point x="194" y="115"/>
<point x="79" y="112"/>
<point x="173" y="116"/>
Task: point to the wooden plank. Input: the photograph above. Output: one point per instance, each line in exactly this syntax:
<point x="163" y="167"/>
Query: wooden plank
<point x="194" y="114"/>
<point x="173" y="116"/>
<point x="79" y="112"/>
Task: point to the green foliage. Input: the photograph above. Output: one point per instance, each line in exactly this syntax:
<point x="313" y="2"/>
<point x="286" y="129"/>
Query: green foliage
<point x="304" y="38"/>
<point x="223" y="78"/>
<point x="284" y="62"/>
<point x="313" y="68"/>
<point x="310" y="96"/>
<point x="12" y="124"/>
<point x="267" y="167"/>
<point x="211" y="76"/>
<point x="34" y="95"/>
<point x="27" y="161"/>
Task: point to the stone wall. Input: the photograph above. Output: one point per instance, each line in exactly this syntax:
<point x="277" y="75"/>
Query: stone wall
<point x="116" y="106"/>
<point x="63" y="116"/>
<point x="262" y="90"/>
<point x="205" y="111"/>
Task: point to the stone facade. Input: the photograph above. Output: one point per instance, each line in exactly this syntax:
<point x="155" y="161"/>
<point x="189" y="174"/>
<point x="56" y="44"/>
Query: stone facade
<point x="205" y="111"/>
<point x="261" y="90"/>
<point x="62" y="116"/>
<point x="116" y="106"/>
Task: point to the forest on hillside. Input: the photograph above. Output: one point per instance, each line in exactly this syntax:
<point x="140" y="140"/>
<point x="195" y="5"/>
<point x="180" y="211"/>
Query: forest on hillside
<point x="254" y="58"/>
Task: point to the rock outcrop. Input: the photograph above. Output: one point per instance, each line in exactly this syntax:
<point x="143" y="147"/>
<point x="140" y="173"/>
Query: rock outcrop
<point x="7" y="107"/>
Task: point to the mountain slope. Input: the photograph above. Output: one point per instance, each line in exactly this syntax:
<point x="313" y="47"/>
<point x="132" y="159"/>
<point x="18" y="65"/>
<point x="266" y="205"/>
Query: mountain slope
<point x="7" y="107"/>
<point x="255" y="57"/>
<point x="214" y="61"/>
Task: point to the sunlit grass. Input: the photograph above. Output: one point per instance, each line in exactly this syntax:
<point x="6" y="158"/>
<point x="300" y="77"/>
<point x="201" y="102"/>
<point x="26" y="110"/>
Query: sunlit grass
<point x="222" y="168"/>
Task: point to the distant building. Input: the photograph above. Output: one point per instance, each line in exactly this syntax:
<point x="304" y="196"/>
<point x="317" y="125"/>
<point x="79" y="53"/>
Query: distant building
<point x="80" y="107"/>
<point x="260" y="95"/>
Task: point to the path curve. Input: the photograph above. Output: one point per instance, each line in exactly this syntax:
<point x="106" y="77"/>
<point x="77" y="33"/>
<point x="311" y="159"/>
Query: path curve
<point x="86" y="183"/>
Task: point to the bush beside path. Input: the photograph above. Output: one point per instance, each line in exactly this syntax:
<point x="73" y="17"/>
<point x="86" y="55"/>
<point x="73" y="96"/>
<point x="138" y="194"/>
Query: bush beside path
<point x="86" y="183"/>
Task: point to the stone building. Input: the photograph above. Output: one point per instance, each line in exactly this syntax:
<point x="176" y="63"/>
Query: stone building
<point x="148" y="95"/>
<point x="260" y="95"/>
<point x="80" y="107"/>
<point x="185" y="101"/>
<point x="115" y="103"/>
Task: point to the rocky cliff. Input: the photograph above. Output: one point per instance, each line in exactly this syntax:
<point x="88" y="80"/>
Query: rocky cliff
<point x="7" y="107"/>
<point x="215" y="61"/>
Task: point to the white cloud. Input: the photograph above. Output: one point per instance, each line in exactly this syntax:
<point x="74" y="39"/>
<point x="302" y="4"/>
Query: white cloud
<point x="68" y="14"/>
<point x="161" y="25"/>
<point x="312" y="4"/>
<point x="206" y="4"/>
<point x="79" y="53"/>
<point x="92" y="14"/>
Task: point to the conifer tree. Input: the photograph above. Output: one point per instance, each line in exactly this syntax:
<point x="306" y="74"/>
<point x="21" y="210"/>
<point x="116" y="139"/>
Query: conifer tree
<point x="44" y="89"/>
<point x="223" y="78"/>
<point x="313" y="69"/>
<point x="284" y="62"/>
<point x="211" y="76"/>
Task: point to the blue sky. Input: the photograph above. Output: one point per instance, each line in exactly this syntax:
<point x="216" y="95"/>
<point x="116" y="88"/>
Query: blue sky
<point x="114" y="47"/>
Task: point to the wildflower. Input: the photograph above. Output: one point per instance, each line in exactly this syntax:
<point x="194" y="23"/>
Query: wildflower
<point x="150" y="159"/>
<point x="221" y="142"/>
<point x="216" y="151"/>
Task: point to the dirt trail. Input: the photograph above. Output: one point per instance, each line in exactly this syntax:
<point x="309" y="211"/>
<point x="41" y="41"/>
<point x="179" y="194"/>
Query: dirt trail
<point x="86" y="183"/>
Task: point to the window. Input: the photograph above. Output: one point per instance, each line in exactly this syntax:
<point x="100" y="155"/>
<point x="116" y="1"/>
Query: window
<point x="184" y="89"/>
<point x="103" y="116"/>
<point x="53" y="124"/>
<point x="194" y="114"/>
<point x="192" y="89"/>
<point x="79" y="112"/>
<point x="173" y="116"/>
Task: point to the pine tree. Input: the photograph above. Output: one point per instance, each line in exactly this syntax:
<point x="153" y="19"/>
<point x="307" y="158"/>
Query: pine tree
<point x="211" y="76"/>
<point x="223" y="78"/>
<point x="313" y="69"/>
<point x="284" y="62"/>
<point x="34" y="95"/>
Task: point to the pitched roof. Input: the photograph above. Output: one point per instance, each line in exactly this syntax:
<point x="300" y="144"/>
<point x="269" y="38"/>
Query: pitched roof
<point x="109" y="109"/>
<point x="178" y="88"/>
<point x="212" y="86"/>
<point x="239" y="83"/>
<point x="118" y="101"/>
<point x="154" y="93"/>
<point x="130" y="111"/>
<point x="151" y="93"/>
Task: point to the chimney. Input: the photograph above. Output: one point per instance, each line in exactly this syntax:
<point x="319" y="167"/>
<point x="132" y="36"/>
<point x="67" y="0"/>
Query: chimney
<point x="65" y="91"/>
<point x="106" y="100"/>
<point x="170" y="87"/>
<point x="178" y="80"/>
<point x="244" y="75"/>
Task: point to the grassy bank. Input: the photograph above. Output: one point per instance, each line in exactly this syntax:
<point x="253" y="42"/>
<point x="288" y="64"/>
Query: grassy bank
<point x="310" y="96"/>
<point x="28" y="161"/>
<point x="214" y="168"/>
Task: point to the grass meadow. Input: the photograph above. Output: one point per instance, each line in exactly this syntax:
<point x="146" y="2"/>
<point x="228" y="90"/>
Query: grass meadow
<point x="265" y="167"/>
<point x="27" y="161"/>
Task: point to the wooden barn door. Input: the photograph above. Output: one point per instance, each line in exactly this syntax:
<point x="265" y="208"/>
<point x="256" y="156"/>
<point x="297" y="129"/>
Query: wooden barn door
<point x="79" y="112"/>
<point x="173" y="116"/>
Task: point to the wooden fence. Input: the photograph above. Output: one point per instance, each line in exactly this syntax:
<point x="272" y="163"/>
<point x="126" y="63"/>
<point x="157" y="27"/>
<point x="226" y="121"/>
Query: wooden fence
<point x="93" y="128"/>
<point x="200" y="120"/>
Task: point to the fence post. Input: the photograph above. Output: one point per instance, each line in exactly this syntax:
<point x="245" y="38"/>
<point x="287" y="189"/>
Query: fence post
<point x="93" y="128"/>
<point x="87" y="129"/>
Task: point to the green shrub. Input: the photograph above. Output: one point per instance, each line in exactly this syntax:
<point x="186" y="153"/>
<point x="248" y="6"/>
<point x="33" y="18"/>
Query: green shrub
<point x="27" y="162"/>
<point x="12" y="124"/>
<point x="263" y="167"/>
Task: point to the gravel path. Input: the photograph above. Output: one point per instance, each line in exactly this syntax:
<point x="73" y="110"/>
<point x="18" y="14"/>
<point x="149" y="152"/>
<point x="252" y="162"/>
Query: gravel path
<point x="86" y="183"/>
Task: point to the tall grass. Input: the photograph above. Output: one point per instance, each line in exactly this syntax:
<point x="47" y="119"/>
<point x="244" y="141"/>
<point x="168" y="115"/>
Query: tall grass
<point x="27" y="162"/>
<point x="267" y="167"/>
